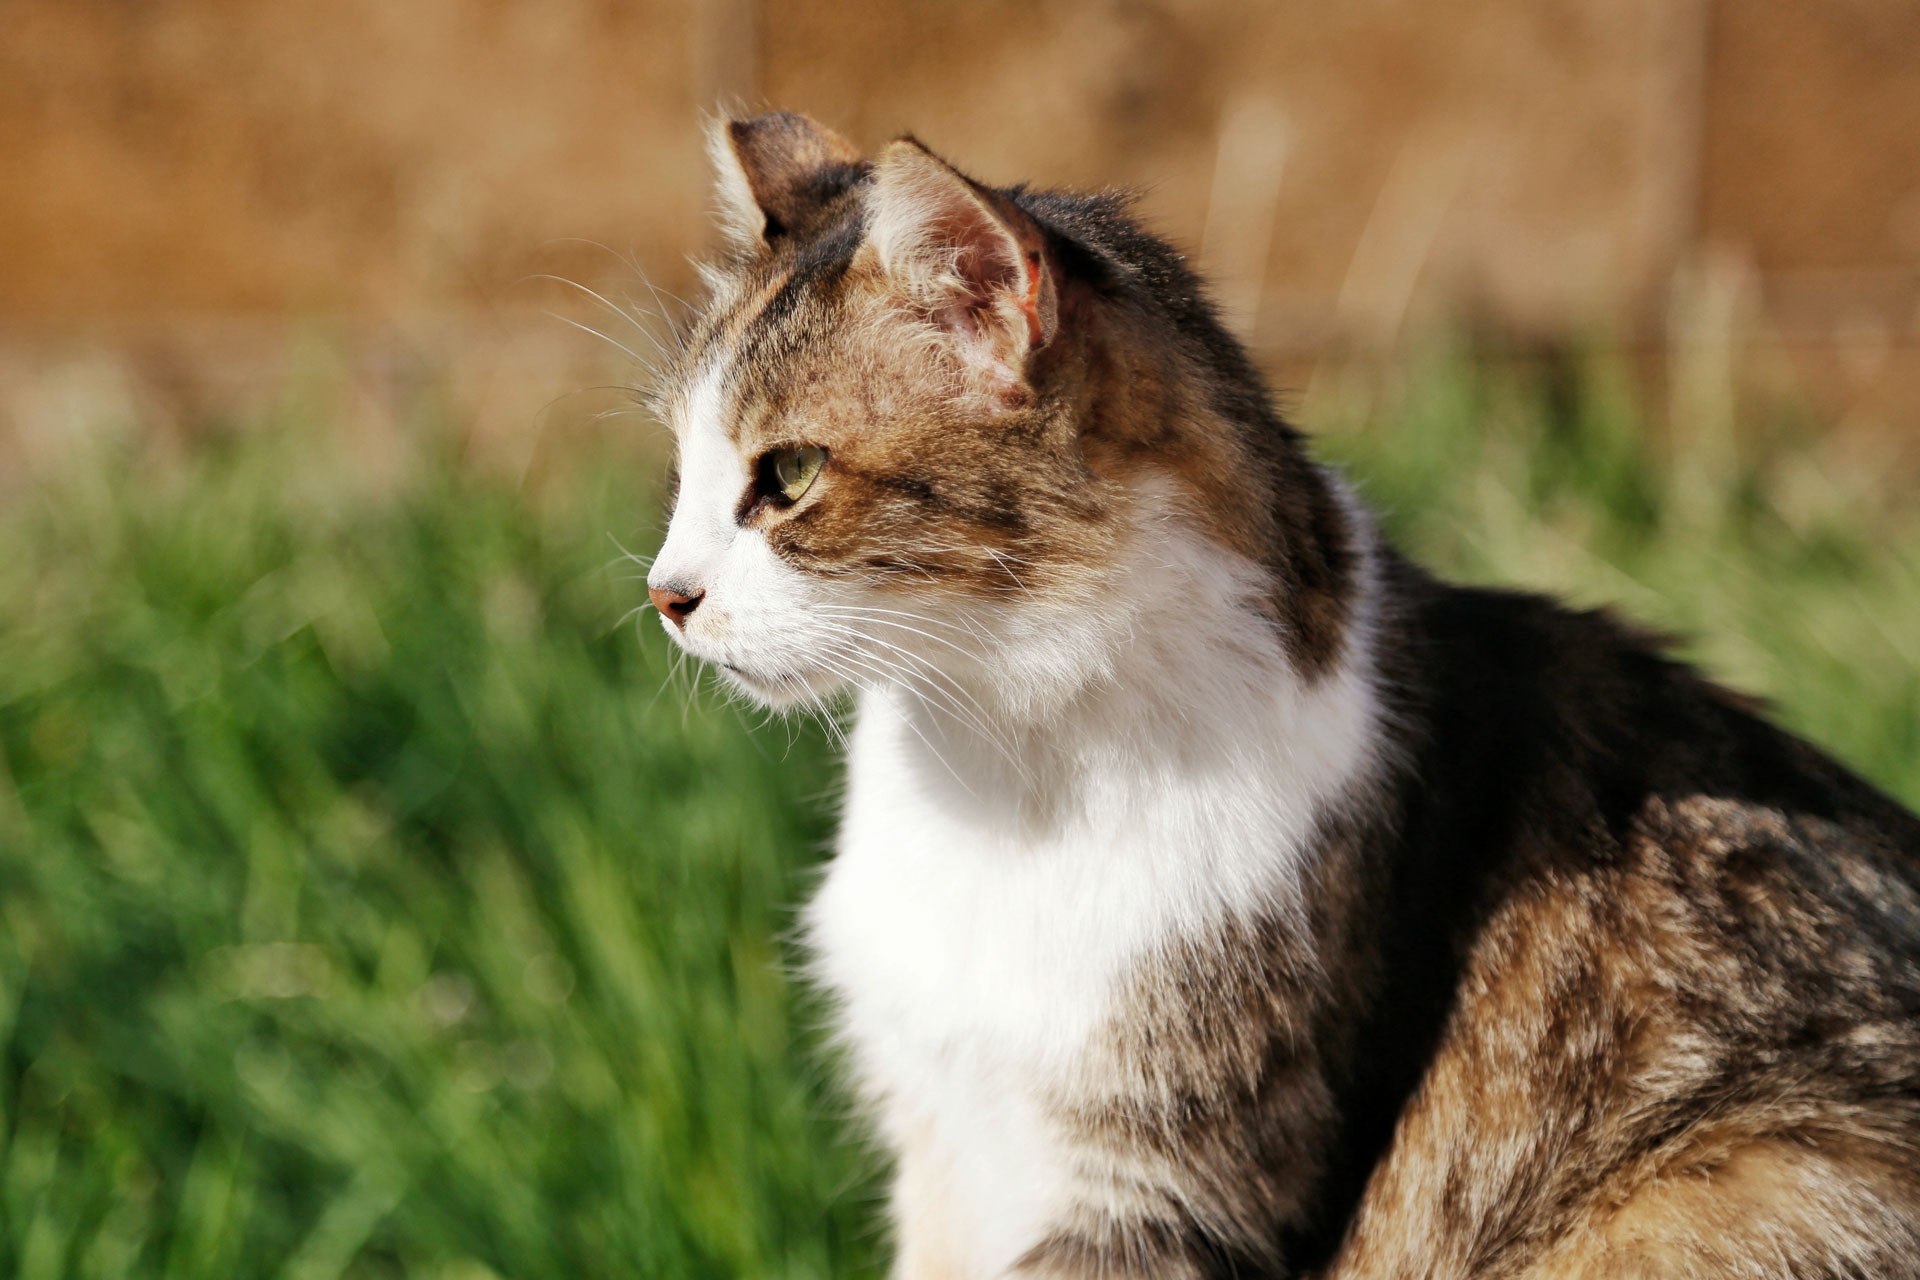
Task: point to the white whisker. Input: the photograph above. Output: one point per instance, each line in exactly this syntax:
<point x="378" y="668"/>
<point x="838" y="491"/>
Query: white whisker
<point x="617" y="310"/>
<point x="639" y="359"/>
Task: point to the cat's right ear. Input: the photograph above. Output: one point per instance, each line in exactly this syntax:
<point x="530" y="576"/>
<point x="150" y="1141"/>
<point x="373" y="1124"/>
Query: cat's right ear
<point x="968" y="255"/>
<point x="776" y="173"/>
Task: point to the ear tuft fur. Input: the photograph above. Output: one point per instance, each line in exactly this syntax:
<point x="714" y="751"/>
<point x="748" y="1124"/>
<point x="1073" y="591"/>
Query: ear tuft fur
<point x="776" y="173"/>
<point x="968" y="254"/>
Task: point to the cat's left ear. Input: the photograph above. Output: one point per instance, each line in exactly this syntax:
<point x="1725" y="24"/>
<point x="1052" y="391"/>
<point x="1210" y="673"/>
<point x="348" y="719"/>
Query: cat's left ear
<point x="968" y="254"/>
<point x="776" y="173"/>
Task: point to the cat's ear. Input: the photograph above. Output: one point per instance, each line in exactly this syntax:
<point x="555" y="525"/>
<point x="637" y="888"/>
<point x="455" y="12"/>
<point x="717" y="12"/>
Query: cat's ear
<point x="776" y="172"/>
<point x="968" y="254"/>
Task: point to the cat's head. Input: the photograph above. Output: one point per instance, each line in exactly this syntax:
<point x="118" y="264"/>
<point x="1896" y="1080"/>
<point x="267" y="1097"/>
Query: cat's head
<point x="928" y="428"/>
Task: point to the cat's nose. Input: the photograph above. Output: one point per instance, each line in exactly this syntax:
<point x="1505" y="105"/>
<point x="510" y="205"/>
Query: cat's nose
<point x="675" y="604"/>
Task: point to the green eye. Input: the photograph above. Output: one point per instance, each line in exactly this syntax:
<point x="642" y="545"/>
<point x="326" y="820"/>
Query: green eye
<point x="793" y="470"/>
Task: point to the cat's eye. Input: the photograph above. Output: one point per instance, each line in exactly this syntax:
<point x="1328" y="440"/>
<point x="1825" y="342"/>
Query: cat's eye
<point x="789" y="473"/>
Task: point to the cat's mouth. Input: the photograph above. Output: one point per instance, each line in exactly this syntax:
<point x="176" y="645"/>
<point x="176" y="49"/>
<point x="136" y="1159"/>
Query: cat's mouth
<point x="779" y="688"/>
<point x="754" y="679"/>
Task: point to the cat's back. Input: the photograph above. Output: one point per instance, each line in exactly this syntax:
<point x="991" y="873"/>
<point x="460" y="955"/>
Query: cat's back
<point x="1673" y="958"/>
<point x="1551" y="743"/>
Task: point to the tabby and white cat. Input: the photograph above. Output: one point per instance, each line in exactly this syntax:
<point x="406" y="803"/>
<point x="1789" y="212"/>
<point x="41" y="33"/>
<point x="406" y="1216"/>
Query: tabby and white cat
<point x="1217" y="894"/>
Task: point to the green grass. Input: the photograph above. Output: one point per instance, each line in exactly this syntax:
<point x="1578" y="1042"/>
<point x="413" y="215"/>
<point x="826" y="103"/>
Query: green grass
<point x="370" y="911"/>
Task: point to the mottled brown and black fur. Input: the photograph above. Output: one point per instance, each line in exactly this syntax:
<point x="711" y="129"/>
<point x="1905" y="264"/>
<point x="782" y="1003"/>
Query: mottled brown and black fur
<point x="817" y="329"/>
<point x="1613" y="979"/>
<point x="1598" y="974"/>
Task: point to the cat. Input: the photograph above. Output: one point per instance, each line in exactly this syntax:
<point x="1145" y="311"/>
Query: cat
<point x="1216" y="892"/>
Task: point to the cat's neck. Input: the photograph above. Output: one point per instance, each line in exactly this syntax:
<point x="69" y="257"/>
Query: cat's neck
<point x="1180" y="686"/>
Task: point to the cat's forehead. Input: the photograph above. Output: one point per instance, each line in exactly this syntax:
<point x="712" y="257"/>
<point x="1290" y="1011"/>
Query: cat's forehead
<point x="706" y="382"/>
<point x="780" y="342"/>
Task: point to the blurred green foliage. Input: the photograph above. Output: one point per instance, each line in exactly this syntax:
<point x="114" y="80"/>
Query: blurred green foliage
<point x="369" y="907"/>
<point x="375" y="904"/>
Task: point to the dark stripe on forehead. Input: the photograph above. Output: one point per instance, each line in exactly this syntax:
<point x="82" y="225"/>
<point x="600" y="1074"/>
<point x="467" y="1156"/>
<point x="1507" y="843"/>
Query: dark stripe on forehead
<point x="726" y="355"/>
<point x="747" y="346"/>
<point x="818" y="265"/>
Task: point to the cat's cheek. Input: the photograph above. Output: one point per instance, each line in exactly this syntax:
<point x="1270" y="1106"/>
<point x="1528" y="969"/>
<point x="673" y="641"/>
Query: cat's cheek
<point x="763" y="627"/>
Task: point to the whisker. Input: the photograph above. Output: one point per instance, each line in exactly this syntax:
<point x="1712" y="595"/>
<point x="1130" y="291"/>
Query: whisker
<point x="925" y="741"/>
<point x="645" y="562"/>
<point x="587" y="328"/>
<point x="886" y="622"/>
<point x="640" y="274"/>
<point x="603" y="301"/>
<point x="946" y="699"/>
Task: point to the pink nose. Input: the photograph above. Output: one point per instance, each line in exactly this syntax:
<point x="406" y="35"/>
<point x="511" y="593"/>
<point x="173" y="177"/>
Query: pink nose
<point x="675" y="604"/>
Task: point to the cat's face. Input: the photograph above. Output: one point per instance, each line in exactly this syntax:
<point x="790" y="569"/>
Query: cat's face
<point x="872" y="485"/>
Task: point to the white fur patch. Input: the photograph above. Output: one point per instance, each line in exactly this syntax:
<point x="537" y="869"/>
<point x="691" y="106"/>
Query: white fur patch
<point x="759" y="620"/>
<point x="979" y="917"/>
<point x="737" y="212"/>
<point x="1041" y="791"/>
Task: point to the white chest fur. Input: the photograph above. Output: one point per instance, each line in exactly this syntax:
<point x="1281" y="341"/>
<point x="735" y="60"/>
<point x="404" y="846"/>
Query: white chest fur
<point x="977" y="928"/>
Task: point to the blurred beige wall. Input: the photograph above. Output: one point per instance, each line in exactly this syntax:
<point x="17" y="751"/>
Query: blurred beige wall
<point x="183" y="178"/>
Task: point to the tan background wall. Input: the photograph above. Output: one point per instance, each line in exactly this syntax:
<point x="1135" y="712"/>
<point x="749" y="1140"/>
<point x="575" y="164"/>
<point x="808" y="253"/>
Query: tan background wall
<point x="183" y="177"/>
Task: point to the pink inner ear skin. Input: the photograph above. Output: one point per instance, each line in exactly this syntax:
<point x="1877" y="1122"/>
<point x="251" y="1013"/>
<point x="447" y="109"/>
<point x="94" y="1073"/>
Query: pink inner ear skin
<point x="974" y="255"/>
<point x="994" y="263"/>
<point x="1030" y="302"/>
<point x="996" y="269"/>
<point x="959" y="320"/>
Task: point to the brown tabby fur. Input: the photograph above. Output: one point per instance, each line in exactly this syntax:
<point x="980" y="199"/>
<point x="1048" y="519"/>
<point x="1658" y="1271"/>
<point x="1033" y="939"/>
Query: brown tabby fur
<point x="833" y="359"/>
<point x="1601" y="974"/>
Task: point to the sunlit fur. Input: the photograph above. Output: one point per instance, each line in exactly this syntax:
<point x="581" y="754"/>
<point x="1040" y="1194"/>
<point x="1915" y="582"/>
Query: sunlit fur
<point x="1215" y="893"/>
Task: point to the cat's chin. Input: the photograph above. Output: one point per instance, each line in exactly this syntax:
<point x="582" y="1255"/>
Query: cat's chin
<point x="781" y="691"/>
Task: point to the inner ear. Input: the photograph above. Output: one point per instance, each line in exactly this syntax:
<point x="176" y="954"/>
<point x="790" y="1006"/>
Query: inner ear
<point x="990" y="261"/>
<point x="779" y="172"/>
<point x="968" y="253"/>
